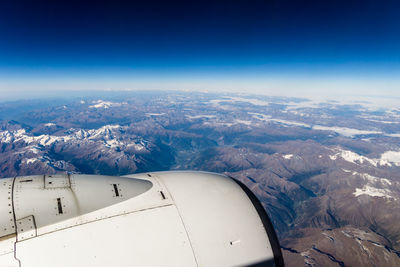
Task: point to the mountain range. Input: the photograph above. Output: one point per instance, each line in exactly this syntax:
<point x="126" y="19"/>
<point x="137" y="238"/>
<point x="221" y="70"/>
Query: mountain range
<point x="327" y="172"/>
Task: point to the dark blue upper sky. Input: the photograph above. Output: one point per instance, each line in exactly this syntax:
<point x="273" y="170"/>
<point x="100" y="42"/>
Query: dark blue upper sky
<point x="87" y="39"/>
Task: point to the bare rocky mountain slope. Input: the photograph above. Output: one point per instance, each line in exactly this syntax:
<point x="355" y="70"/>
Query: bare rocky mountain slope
<point x="328" y="173"/>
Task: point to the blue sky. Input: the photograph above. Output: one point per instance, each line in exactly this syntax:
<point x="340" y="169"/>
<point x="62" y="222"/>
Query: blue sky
<point x="276" y="47"/>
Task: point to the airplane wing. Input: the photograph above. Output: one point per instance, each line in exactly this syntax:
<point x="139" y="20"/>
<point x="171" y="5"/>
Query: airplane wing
<point x="151" y="219"/>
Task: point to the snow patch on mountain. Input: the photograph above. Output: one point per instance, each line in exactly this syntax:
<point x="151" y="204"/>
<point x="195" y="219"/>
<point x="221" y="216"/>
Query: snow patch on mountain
<point x="47" y="140"/>
<point x="306" y="104"/>
<point x="137" y="146"/>
<point x="348" y="132"/>
<point x="355" y="158"/>
<point x="243" y="122"/>
<point x="382" y="121"/>
<point x="373" y="192"/>
<point x="264" y="117"/>
<point x="6" y="137"/>
<point x="374" y="186"/>
<point x="298" y="113"/>
<point x="216" y="124"/>
<point x="253" y="101"/>
<point x="291" y="123"/>
<point x="34" y="150"/>
<point x="370" y="178"/>
<point x="393" y="135"/>
<point x="105" y="104"/>
<point x="30" y="161"/>
<point x="113" y="143"/>
<point x="200" y="116"/>
<point x="105" y="133"/>
<point x="391" y="156"/>
<point x="155" y="114"/>
<point x="260" y="116"/>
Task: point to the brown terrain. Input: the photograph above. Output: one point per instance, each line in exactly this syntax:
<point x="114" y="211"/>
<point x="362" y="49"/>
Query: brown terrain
<point x="327" y="173"/>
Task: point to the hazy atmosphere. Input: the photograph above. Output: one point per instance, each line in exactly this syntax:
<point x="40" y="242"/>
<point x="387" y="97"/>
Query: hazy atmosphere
<point x="301" y="48"/>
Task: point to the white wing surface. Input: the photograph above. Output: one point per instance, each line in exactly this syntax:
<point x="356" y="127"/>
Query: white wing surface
<point x="152" y="219"/>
